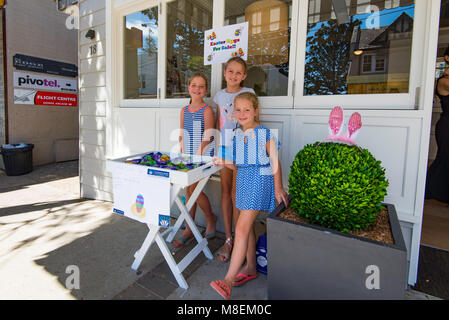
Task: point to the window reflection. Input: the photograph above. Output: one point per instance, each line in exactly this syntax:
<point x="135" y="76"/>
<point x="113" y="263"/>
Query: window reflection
<point x="356" y="47"/>
<point x="268" y="43"/>
<point x="186" y="22"/>
<point x="141" y="47"/>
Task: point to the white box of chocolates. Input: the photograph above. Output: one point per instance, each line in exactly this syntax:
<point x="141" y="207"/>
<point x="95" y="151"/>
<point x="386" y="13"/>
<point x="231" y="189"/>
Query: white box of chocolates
<point x="143" y="184"/>
<point x="181" y="169"/>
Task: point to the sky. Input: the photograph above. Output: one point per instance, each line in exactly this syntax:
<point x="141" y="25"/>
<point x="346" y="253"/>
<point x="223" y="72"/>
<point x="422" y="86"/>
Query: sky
<point x="137" y="19"/>
<point x="385" y="17"/>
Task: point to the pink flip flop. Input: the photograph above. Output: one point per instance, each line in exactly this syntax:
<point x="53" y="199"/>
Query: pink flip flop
<point x="245" y="279"/>
<point x="221" y="288"/>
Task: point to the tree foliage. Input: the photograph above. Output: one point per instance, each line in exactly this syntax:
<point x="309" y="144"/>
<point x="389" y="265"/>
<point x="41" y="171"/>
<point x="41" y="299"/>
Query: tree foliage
<point x="327" y="57"/>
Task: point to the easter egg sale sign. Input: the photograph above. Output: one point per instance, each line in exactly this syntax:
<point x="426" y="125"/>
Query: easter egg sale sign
<point x="221" y="44"/>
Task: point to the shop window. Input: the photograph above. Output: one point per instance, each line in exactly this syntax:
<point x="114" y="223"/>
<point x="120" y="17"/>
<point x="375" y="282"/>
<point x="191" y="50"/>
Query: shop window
<point x="268" y="41"/>
<point x="358" y="47"/>
<point x="186" y="22"/>
<point x="350" y="47"/>
<point x="141" y="54"/>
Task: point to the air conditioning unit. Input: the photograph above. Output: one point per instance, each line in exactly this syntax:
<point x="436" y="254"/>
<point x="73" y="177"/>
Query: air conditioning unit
<point x="61" y="5"/>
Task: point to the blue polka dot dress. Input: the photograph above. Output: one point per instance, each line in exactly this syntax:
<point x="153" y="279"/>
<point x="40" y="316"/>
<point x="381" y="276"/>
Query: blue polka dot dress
<point x="255" y="183"/>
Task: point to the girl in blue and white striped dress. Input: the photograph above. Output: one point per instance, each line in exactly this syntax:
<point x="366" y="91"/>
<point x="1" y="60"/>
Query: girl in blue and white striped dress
<point x="197" y="123"/>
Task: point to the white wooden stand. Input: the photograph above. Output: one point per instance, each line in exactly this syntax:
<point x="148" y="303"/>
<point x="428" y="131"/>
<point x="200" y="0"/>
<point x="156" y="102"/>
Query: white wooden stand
<point x="155" y="235"/>
<point x="178" y="181"/>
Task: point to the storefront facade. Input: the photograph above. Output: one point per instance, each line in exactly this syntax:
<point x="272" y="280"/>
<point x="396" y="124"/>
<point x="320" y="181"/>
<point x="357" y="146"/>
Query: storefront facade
<point x="133" y="77"/>
<point x="39" y="59"/>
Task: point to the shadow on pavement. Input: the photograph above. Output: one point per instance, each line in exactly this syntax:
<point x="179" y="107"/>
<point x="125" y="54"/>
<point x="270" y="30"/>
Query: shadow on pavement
<point x="40" y="174"/>
<point x="103" y="258"/>
<point x="49" y="207"/>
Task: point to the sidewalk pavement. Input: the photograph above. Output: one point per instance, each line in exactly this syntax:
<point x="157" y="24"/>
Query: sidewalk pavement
<point x="48" y="235"/>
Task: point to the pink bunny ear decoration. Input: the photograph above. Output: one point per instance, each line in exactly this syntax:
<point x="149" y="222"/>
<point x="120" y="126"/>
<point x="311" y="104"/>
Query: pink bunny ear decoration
<point x="336" y="126"/>
<point x="354" y="125"/>
<point x="335" y="123"/>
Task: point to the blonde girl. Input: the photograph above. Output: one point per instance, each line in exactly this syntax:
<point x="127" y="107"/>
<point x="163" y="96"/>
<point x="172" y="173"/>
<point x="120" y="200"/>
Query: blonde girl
<point x="235" y="72"/>
<point x="258" y="186"/>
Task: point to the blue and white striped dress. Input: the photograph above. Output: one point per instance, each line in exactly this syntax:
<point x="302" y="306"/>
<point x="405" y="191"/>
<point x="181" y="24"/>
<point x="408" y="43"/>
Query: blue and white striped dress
<point x="193" y="132"/>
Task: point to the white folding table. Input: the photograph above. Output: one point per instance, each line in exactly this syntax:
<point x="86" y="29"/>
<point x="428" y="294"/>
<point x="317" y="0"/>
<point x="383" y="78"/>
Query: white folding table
<point x="178" y="181"/>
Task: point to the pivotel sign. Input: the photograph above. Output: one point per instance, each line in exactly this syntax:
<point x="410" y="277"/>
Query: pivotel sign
<point x="33" y="81"/>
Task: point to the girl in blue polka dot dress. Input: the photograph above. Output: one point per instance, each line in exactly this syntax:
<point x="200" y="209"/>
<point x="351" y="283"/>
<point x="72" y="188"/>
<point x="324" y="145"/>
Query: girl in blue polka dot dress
<point x="258" y="186"/>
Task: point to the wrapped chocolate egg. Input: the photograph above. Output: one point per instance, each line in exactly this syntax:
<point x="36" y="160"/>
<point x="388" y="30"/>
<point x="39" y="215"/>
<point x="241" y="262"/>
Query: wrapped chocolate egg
<point x="165" y="158"/>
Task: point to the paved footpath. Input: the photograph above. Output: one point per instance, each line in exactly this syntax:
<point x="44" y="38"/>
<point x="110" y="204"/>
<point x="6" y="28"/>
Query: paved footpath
<point x="49" y="235"/>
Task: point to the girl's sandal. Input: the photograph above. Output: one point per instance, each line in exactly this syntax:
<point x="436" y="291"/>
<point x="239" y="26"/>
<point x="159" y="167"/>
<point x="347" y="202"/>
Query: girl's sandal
<point x="221" y="288"/>
<point x="209" y="236"/>
<point x="225" y="250"/>
<point x="180" y="241"/>
<point x="212" y="235"/>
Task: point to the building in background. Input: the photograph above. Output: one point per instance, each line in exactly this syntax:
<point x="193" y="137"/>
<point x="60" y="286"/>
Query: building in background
<point x="299" y="82"/>
<point x="39" y="80"/>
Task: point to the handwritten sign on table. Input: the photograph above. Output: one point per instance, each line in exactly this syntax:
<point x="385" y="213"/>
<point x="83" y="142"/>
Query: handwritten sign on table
<point x="221" y="44"/>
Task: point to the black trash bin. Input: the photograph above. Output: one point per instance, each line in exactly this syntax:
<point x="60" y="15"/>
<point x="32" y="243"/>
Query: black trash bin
<point x="18" y="158"/>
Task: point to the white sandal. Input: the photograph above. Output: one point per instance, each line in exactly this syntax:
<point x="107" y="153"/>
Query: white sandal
<point x="226" y="256"/>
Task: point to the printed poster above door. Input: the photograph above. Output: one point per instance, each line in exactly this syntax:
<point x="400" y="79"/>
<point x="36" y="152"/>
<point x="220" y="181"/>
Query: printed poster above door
<point x="33" y="81"/>
<point x="29" y="63"/>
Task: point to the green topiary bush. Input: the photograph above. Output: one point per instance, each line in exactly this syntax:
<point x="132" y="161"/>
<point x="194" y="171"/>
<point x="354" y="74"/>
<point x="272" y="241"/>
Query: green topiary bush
<point x="337" y="186"/>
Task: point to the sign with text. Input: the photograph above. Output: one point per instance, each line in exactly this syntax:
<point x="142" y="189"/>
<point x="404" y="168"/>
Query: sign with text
<point x="221" y="44"/>
<point x="45" y="98"/>
<point x="29" y="63"/>
<point x="33" y="81"/>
